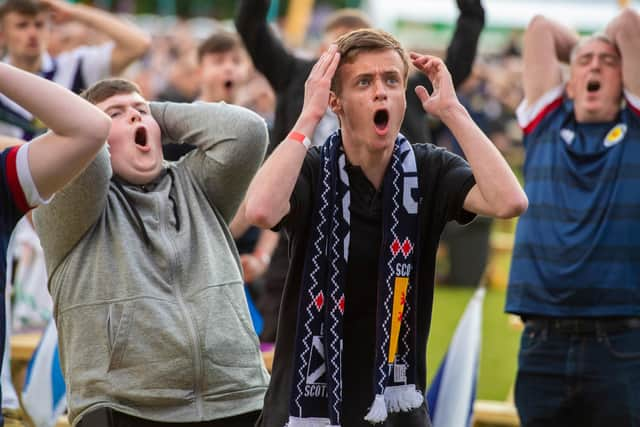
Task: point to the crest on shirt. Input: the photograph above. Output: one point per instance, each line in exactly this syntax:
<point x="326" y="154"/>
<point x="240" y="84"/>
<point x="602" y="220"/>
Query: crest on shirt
<point x="567" y="135"/>
<point x="615" y="135"/>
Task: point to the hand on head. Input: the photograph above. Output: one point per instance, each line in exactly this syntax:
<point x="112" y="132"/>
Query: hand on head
<point x="444" y="94"/>
<point x="318" y="84"/>
<point x="61" y="11"/>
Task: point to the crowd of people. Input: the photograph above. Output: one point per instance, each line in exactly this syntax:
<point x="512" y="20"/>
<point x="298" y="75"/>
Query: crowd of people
<point x="176" y="203"/>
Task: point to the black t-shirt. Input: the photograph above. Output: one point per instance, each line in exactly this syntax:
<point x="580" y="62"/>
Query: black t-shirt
<point x="445" y="180"/>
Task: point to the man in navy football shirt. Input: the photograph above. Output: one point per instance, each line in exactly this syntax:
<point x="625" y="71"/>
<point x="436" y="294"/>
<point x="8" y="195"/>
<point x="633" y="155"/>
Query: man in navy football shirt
<point x="575" y="275"/>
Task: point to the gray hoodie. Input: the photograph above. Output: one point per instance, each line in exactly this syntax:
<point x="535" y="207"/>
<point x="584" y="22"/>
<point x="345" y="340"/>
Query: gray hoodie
<point x="146" y="282"/>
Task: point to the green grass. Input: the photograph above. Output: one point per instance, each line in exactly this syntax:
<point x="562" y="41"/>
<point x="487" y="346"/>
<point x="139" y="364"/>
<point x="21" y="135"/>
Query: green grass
<point x="498" y="359"/>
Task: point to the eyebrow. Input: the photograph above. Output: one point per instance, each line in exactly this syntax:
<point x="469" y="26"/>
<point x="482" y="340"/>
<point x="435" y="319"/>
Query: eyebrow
<point x="599" y="55"/>
<point x="124" y="106"/>
<point x="386" y="73"/>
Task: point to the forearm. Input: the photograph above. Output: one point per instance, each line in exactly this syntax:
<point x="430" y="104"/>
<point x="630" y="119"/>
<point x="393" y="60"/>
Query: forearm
<point x="267" y="51"/>
<point x="251" y="13"/>
<point x="271" y="188"/>
<point x="560" y="38"/>
<point x="624" y="31"/>
<point x="265" y="245"/>
<point x="130" y="42"/>
<point x="462" y="49"/>
<point x="498" y="186"/>
<point x="546" y="44"/>
<point x="78" y="118"/>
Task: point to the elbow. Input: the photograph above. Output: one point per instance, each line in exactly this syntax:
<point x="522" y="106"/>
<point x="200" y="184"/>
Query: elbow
<point x="514" y="206"/>
<point x="261" y="215"/>
<point x="98" y="130"/>
<point x="143" y="46"/>
<point x="538" y="22"/>
<point x="538" y="27"/>
<point x="254" y="130"/>
<point x="629" y="23"/>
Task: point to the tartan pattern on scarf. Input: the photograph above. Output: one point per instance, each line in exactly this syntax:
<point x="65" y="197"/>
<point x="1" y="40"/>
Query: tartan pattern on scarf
<point x="316" y="394"/>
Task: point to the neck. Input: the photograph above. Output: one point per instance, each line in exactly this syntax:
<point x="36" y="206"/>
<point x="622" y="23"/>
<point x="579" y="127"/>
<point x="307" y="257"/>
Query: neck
<point x="30" y="64"/>
<point x="599" y="117"/>
<point x="373" y="163"/>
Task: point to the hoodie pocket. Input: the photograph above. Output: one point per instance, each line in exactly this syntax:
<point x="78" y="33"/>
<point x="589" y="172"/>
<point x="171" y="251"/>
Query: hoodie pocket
<point x="119" y="321"/>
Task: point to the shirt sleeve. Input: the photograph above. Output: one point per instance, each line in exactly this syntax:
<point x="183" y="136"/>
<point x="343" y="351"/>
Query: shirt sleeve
<point x="31" y="194"/>
<point x="633" y="102"/>
<point x="529" y="116"/>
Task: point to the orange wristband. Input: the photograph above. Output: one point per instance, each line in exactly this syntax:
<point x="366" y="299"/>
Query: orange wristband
<point x="301" y="138"/>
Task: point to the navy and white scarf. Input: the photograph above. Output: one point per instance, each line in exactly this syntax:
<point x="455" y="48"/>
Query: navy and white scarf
<point x="316" y="392"/>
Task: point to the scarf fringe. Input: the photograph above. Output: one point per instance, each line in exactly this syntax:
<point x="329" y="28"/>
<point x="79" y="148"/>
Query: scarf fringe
<point x="378" y="411"/>
<point x="309" y="422"/>
<point x="402" y="398"/>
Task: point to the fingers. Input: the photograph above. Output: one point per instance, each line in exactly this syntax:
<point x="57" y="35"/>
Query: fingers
<point x="327" y="62"/>
<point x="422" y="93"/>
<point x="333" y="64"/>
<point x="428" y="64"/>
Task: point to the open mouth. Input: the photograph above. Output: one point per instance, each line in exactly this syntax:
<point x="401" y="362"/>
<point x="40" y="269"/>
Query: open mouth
<point x="593" y="86"/>
<point x="381" y="120"/>
<point x="228" y="84"/>
<point x="141" y="137"/>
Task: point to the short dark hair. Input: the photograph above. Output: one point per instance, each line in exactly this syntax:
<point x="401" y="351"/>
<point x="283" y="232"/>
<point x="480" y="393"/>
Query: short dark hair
<point x="219" y="42"/>
<point x="23" y="7"/>
<point x="351" y="19"/>
<point x="356" y="42"/>
<point x="107" y="88"/>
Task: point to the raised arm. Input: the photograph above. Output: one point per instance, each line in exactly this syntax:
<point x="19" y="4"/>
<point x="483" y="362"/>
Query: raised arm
<point x="130" y="42"/>
<point x="268" y="53"/>
<point x="461" y="54"/>
<point x="497" y="192"/>
<point x="77" y="131"/>
<point x="271" y="188"/>
<point x="624" y="31"/>
<point x="546" y="45"/>
<point x="231" y="143"/>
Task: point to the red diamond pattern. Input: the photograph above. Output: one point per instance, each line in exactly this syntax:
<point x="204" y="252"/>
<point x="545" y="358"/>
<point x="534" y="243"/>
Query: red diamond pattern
<point x="319" y="301"/>
<point x="407" y="247"/>
<point x="341" y="304"/>
<point x="395" y="247"/>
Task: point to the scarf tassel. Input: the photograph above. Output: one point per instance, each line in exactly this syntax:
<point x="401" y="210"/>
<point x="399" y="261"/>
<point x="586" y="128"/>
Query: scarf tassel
<point x="402" y="398"/>
<point x="395" y="399"/>
<point x="378" y="411"/>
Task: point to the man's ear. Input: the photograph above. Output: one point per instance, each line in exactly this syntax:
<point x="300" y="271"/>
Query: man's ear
<point x="334" y="103"/>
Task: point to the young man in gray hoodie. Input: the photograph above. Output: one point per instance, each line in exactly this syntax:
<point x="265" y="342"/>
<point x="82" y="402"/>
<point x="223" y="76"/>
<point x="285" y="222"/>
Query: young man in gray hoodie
<point x="148" y="295"/>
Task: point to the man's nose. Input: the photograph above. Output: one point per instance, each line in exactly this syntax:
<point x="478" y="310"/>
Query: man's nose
<point x="380" y="91"/>
<point x="134" y="115"/>
<point x="32" y="30"/>
<point x="596" y="62"/>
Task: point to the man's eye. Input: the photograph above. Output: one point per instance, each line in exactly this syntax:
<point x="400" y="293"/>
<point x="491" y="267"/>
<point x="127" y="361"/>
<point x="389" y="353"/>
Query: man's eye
<point x="142" y="111"/>
<point x="392" y="81"/>
<point x="114" y="114"/>
<point x="363" y="82"/>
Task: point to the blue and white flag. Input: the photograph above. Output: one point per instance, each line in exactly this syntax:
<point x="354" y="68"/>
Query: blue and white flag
<point x="44" y="391"/>
<point x="453" y="389"/>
